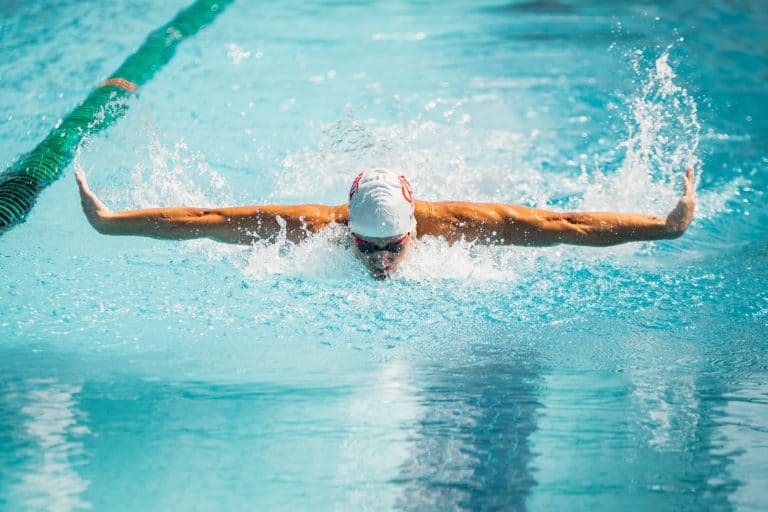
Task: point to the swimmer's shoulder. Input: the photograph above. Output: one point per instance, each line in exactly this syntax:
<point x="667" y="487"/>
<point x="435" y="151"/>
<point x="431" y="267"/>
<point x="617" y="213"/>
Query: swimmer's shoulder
<point x="433" y="218"/>
<point x="319" y="217"/>
<point x="431" y="212"/>
<point x="463" y="220"/>
<point x="338" y="214"/>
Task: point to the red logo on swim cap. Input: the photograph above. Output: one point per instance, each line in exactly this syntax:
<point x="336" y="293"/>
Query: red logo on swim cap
<point x="406" y="186"/>
<point x="355" y="185"/>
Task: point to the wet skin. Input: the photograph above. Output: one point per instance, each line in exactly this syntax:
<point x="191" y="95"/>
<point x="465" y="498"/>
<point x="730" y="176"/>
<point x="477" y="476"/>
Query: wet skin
<point x="382" y="263"/>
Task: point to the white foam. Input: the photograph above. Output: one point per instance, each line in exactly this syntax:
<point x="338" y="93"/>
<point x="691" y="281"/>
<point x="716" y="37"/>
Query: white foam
<point x="322" y="256"/>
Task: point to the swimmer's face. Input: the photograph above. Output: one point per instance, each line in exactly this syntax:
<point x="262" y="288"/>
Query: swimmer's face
<point x="382" y="255"/>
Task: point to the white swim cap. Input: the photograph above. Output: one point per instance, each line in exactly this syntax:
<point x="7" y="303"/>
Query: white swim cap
<point x="381" y="204"/>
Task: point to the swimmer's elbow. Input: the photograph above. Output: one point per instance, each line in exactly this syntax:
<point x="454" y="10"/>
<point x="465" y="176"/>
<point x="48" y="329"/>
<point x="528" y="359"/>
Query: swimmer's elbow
<point x="102" y="222"/>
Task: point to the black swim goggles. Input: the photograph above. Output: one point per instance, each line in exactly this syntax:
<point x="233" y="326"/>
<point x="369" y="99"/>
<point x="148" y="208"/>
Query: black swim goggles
<point x="366" y="247"/>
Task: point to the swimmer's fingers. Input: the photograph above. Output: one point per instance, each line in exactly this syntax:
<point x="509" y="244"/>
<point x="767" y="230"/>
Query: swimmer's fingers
<point x="82" y="184"/>
<point x="689" y="189"/>
<point x="81" y="181"/>
<point x="93" y="208"/>
<point x="682" y="215"/>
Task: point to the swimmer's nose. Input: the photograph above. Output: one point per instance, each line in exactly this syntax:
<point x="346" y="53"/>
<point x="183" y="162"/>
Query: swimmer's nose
<point x="380" y="260"/>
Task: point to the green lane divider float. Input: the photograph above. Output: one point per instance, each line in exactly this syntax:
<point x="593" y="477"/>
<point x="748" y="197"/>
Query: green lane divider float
<point x="32" y="172"/>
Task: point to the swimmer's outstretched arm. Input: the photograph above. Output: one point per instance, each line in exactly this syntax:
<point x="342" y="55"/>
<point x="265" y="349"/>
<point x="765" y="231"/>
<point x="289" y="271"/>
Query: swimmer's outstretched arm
<point x="237" y="224"/>
<point x="518" y="225"/>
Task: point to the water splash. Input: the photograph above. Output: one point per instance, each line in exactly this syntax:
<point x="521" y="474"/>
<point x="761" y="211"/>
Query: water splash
<point x="136" y="167"/>
<point x="662" y="140"/>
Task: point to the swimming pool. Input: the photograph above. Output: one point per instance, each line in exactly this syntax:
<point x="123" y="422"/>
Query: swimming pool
<point x="145" y="375"/>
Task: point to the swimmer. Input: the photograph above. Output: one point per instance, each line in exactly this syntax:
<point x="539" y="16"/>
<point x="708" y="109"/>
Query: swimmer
<point x="384" y="221"/>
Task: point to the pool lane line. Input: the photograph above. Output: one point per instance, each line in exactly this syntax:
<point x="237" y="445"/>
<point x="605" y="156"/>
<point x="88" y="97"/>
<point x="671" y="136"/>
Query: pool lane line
<point x="23" y="181"/>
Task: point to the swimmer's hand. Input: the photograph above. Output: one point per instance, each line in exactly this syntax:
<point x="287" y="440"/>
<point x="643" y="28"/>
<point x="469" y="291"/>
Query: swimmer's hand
<point x="680" y="217"/>
<point x="95" y="211"/>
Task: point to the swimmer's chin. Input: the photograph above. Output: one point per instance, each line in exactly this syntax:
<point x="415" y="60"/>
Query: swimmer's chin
<point x="381" y="276"/>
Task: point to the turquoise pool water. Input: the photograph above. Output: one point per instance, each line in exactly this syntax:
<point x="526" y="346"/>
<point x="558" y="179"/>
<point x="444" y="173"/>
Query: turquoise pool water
<point x="137" y="374"/>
